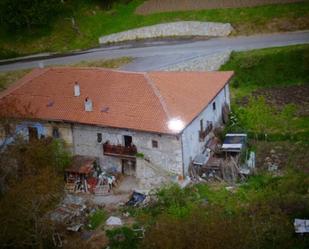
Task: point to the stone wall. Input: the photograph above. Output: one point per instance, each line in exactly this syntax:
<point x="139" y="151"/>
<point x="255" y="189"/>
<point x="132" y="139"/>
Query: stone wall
<point x="65" y="132"/>
<point x="185" y="28"/>
<point x="151" y="176"/>
<point x="168" y="154"/>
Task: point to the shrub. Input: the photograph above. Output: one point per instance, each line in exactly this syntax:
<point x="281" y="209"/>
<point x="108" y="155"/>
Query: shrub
<point x="18" y="14"/>
<point x="97" y="218"/>
<point x="213" y="227"/>
<point x="122" y="238"/>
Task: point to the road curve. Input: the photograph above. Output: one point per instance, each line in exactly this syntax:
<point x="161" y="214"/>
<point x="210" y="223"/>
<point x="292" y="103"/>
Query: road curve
<point x="157" y="55"/>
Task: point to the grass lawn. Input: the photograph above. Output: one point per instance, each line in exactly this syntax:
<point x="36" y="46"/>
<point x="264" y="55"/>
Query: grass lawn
<point x="94" y="22"/>
<point x="191" y="214"/>
<point x="112" y="63"/>
<point x="276" y="75"/>
<point x="268" y="68"/>
<point x="97" y="218"/>
<point x="7" y="78"/>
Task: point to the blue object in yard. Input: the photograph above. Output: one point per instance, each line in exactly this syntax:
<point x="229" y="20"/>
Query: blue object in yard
<point x="136" y="199"/>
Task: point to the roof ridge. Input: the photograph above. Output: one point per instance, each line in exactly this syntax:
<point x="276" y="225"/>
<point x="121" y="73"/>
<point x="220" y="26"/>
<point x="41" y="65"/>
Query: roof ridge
<point x="158" y="94"/>
<point x="19" y="83"/>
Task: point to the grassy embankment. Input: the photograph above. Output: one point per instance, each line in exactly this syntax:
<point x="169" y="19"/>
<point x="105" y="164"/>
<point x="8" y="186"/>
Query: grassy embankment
<point x="93" y="22"/>
<point x="274" y="74"/>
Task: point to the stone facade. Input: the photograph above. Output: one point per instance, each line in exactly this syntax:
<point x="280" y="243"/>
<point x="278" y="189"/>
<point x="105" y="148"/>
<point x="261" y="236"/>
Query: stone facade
<point x="174" y="153"/>
<point x="185" y="28"/>
<point x="164" y="155"/>
<point x="168" y="153"/>
<point x="64" y="129"/>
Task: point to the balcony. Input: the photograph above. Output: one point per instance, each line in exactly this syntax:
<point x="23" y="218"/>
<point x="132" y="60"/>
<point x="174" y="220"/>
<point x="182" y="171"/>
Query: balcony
<point x="204" y="133"/>
<point x="119" y="150"/>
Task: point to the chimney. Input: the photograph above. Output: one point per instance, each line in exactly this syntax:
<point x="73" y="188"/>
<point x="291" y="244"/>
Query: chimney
<point x="88" y="105"/>
<point x="76" y="89"/>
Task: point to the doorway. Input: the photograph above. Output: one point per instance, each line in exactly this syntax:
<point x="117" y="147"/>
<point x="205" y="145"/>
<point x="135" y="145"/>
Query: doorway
<point x="33" y="133"/>
<point x="127" y="141"/>
<point x="128" y="167"/>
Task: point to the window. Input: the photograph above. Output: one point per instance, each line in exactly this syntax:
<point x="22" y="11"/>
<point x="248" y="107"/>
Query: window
<point x="127" y="141"/>
<point x="99" y="138"/>
<point x="56" y="133"/>
<point x="155" y="144"/>
<point x="201" y="125"/>
<point x="214" y="106"/>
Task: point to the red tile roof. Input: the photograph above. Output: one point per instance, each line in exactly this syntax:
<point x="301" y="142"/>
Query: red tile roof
<point x="139" y="101"/>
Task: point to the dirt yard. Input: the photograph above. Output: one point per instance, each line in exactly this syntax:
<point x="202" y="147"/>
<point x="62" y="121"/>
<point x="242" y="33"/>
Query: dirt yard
<point x="280" y="96"/>
<point x="154" y="6"/>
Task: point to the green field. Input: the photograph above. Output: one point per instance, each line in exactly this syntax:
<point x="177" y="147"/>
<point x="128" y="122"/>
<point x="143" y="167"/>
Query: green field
<point x="278" y="79"/>
<point x="268" y="67"/>
<point x="256" y="214"/>
<point x="93" y="22"/>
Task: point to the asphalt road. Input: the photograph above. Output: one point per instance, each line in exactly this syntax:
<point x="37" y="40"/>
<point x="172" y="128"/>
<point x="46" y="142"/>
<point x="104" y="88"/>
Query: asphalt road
<point x="155" y="55"/>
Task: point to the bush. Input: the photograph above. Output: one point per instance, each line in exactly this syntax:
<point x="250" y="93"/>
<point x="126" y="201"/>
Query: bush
<point x="122" y="238"/>
<point x="19" y="14"/>
<point x="213" y="227"/>
<point x="97" y="218"/>
<point x="258" y="215"/>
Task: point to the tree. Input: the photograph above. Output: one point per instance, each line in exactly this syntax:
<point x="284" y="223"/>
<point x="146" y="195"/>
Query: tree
<point x="33" y="187"/>
<point x="23" y="210"/>
<point x="31" y="180"/>
<point x="19" y="14"/>
<point x="12" y="112"/>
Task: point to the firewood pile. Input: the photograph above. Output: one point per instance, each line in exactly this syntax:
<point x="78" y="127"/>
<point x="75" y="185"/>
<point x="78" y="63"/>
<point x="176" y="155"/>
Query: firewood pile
<point x="217" y="169"/>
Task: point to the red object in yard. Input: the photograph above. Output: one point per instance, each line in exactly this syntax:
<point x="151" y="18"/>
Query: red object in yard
<point x="92" y="183"/>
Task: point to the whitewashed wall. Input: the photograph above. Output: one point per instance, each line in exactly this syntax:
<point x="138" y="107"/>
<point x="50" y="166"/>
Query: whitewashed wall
<point x="191" y="143"/>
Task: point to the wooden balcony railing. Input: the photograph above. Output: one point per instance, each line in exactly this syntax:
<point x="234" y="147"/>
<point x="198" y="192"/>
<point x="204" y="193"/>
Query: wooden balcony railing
<point x="119" y="150"/>
<point x="204" y="133"/>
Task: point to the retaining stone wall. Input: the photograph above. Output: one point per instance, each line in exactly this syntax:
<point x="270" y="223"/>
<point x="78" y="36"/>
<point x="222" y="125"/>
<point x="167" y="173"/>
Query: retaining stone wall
<point x="185" y="28"/>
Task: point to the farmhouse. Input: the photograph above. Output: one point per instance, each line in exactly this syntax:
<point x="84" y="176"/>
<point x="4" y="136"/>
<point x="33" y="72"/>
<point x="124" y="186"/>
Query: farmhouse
<point x="140" y="124"/>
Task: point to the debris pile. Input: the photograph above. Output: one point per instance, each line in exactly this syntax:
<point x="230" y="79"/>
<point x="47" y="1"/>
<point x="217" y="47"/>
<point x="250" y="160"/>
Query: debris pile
<point x="70" y="212"/>
<point x="272" y="162"/>
<point x="301" y="226"/>
<point x="73" y="212"/>
<point x="86" y="176"/>
<point x="136" y="199"/>
<point x="226" y="162"/>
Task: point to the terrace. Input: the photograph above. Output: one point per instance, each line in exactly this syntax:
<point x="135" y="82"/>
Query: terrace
<point x="119" y="150"/>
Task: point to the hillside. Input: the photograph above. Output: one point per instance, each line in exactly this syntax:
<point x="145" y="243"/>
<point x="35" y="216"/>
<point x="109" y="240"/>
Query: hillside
<point x="91" y="20"/>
